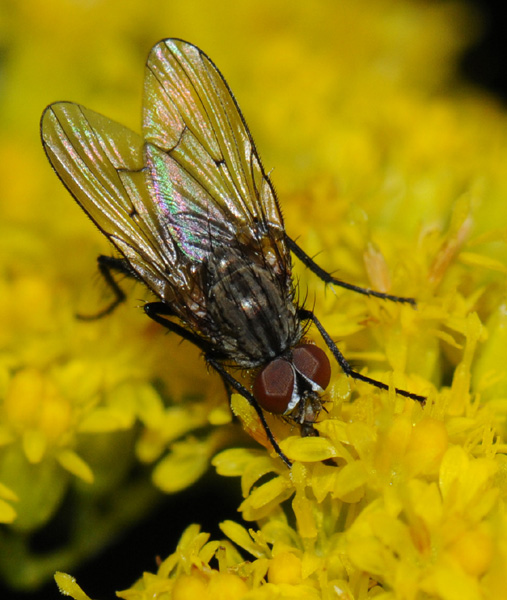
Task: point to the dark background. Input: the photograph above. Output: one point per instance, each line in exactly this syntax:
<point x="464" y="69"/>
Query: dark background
<point x="484" y="64"/>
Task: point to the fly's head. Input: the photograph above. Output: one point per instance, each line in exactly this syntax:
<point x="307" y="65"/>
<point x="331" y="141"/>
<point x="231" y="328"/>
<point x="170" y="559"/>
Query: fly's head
<point x="292" y="385"/>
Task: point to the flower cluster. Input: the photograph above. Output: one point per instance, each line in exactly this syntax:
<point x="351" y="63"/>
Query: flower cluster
<point x="406" y="194"/>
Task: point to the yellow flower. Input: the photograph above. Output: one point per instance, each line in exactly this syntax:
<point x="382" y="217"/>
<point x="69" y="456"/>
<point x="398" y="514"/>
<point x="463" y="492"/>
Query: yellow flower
<point x="390" y="178"/>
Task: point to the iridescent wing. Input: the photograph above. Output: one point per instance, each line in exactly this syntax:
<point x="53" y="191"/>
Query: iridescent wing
<point x="101" y="164"/>
<point x="201" y="157"/>
<point x="192" y="184"/>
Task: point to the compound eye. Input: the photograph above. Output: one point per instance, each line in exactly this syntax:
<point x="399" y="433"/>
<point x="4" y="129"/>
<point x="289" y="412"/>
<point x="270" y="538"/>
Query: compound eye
<point x="313" y="363"/>
<point x="274" y="385"/>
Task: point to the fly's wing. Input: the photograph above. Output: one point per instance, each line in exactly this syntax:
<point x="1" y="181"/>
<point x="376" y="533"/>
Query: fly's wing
<point x="101" y="164"/>
<point x="194" y="184"/>
<point x="206" y="176"/>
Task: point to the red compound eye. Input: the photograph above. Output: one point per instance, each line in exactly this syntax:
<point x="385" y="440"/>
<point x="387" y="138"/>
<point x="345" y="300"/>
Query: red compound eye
<point x="273" y="386"/>
<point x="313" y="363"/>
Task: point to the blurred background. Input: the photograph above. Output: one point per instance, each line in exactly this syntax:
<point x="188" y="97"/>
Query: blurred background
<point x="283" y="60"/>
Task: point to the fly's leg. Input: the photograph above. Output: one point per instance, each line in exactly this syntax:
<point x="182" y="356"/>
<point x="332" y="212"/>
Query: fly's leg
<point x="227" y="377"/>
<point x="107" y="264"/>
<point x="328" y="278"/>
<point x="158" y="311"/>
<point x="307" y="315"/>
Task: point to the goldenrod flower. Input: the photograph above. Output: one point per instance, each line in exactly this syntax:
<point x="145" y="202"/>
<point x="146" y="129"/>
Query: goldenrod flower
<point x="395" y="181"/>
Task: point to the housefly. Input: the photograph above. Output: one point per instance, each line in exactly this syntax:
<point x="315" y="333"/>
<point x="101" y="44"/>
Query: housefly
<point x="195" y="217"/>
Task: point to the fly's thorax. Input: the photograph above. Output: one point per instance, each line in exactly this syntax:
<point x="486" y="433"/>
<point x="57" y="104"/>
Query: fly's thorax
<point x="271" y="244"/>
<point x="252" y="315"/>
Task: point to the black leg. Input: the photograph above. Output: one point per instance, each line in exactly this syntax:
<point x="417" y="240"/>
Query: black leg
<point x="307" y="315"/>
<point x="328" y="278"/>
<point x="106" y="265"/>
<point x="227" y="377"/>
<point x="159" y="310"/>
<point x="156" y="310"/>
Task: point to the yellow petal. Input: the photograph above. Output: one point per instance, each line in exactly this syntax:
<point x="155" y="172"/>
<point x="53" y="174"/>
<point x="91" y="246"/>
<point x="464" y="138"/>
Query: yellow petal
<point x="7" y="513"/>
<point x="68" y="586"/>
<point x="75" y="465"/>
<point x="34" y="445"/>
<point x="308" y="449"/>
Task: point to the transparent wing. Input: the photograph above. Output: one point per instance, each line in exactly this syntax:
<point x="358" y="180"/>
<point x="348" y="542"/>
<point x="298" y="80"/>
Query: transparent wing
<point x="194" y="183"/>
<point x="207" y="177"/>
<point x="101" y="164"/>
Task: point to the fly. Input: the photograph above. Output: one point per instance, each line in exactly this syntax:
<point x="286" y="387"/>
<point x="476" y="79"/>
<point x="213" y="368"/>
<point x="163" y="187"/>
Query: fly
<point x="194" y="216"/>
